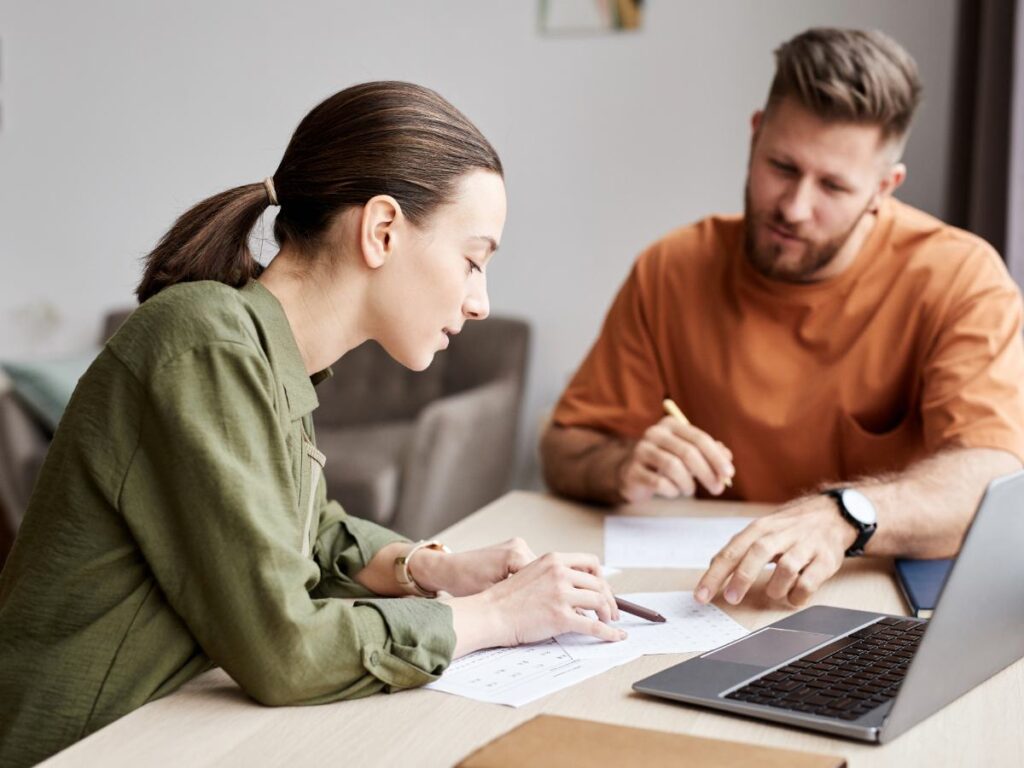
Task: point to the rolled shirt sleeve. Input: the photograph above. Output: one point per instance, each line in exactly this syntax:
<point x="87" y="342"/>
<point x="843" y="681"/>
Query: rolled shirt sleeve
<point x="343" y="547"/>
<point x="210" y="498"/>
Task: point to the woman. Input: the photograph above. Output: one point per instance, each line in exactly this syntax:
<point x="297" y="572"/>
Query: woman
<point x="180" y="519"/>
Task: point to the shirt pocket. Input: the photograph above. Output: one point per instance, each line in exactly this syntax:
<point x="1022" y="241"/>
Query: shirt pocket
<point x="870" y="453"/>
<point x="312" y="462"/>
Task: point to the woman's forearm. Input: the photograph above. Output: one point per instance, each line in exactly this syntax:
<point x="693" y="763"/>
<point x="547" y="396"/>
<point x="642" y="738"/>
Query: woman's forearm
<point x="378" y="575"/>
<point x="478" y="623"/>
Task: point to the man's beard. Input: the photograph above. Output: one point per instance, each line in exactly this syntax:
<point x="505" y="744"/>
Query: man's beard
<point x="816" y="256"/>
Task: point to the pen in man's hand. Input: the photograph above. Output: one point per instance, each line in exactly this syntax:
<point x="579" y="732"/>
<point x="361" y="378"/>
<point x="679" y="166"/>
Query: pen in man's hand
<point x="673" y="410"/>
<point x="638" y="610"/>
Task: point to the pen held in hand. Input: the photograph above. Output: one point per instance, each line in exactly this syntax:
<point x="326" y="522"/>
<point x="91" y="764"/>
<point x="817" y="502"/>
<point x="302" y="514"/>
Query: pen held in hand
<point x="673" y="410"/>
<point x="638" y="610"/>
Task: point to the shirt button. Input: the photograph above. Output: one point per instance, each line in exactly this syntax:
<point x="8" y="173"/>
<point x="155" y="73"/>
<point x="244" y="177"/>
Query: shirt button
<point x="375" y="658"/>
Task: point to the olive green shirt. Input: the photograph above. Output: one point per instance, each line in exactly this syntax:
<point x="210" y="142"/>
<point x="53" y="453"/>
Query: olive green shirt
<point x="180" y="521"/>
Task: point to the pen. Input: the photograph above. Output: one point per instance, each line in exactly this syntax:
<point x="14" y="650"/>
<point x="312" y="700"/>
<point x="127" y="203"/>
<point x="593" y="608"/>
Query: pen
<point x="673" y="410"/>
<point x="638" y="610"/>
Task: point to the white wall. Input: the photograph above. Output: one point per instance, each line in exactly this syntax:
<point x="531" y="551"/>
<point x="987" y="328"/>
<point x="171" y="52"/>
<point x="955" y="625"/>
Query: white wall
<point x="118" y="114"/>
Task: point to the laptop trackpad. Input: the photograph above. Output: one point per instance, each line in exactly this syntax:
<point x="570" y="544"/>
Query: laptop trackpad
<point x="769" y="647"/>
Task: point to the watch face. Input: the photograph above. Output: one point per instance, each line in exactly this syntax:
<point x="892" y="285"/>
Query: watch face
<point x="860" y="507"/>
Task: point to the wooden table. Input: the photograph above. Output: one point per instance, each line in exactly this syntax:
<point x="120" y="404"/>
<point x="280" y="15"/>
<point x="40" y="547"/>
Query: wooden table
<point x="210" y="722"/>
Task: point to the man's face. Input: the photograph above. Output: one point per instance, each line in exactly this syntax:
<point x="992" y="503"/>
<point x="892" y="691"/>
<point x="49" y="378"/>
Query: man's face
<point x="809" y="183"/>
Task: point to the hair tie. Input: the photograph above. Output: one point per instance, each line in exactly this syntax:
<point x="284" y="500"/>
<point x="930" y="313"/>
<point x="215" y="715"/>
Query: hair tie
<point x="268" y="184"/>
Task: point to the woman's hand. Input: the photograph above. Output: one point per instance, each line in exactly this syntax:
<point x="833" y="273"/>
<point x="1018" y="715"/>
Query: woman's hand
<point x="466" y="573"/>
<point x="547" y="597"/>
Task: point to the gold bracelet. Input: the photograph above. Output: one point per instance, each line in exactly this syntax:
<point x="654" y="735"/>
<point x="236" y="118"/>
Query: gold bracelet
<point x="402" y="575"/>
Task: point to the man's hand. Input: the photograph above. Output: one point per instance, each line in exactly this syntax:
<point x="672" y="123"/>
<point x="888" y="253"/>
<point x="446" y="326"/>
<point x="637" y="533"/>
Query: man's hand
<point x="807" y="540"/>
<point x="670" y="459"/>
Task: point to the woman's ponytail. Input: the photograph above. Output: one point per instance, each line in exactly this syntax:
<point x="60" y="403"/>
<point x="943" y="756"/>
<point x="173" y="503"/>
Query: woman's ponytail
<point x="384" y="138"/>
<point x="210" y="241"/>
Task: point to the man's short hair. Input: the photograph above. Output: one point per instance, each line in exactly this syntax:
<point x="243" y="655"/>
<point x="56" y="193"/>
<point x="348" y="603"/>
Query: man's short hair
<point x="849" y="75"/>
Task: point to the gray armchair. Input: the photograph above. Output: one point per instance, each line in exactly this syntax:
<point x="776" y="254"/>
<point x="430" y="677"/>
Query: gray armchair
<point x="418" y="451"/>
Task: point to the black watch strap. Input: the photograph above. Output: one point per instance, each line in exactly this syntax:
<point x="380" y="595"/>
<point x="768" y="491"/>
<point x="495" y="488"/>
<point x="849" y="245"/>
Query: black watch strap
<point x="864" y="530"/>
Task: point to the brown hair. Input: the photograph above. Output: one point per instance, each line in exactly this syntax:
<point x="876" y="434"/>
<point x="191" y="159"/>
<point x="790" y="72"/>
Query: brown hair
<point x="849" y="75"/>
<point x="377" y="138"/>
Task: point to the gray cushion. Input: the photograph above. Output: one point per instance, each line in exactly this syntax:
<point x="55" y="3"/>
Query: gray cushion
<point x="46" y="386"/>
<point x="364" y="467"/>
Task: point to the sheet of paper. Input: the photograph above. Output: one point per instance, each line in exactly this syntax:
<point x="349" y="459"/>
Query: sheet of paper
<point x="517" y="676"/>
<point x="667" y="542"/>
<point x="689" y="627"/>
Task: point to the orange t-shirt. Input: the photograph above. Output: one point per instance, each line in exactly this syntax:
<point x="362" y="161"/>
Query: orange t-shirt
<point x="915" y="347"/>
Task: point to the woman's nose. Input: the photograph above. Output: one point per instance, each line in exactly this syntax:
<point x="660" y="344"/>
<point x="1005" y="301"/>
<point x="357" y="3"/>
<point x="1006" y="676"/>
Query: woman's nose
<point x="477" y="306"/>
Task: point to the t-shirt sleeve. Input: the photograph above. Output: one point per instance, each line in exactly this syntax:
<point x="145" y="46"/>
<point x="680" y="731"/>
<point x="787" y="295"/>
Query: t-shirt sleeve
<point x="210" y="502"/>
<point x="620" y="385"/>
<point x="973" y="376"/>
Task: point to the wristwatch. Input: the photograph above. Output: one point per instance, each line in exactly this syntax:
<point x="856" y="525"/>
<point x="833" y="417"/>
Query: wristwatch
<point x="402" y="575"/>
<point x="858" y="511"/>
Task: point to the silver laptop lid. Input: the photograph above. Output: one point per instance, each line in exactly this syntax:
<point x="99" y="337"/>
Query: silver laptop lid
<point x="978" y="625"/>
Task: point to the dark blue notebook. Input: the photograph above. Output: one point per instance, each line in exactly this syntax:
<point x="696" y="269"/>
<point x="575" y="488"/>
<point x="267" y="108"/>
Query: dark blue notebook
<point x="921" y="581"/>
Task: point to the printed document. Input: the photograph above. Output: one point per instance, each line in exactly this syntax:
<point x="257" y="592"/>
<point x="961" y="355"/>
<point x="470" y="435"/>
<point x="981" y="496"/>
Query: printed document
<point x="667" y="542"/>
<point x="689" y="627"/>
<point x="517" y="676"/>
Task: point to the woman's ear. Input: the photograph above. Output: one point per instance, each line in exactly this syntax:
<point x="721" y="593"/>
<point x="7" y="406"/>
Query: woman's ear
<point x="378" y="229"/>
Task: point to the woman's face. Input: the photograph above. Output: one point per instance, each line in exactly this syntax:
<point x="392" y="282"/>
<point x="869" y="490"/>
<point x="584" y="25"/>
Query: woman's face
<point x="436" y="279"/>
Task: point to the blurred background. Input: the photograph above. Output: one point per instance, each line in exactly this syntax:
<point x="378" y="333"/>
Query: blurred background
<point x="117" y="115"/>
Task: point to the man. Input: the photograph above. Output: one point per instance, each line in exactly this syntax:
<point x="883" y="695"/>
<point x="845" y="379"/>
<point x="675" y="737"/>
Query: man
<point x="833" y="347"/>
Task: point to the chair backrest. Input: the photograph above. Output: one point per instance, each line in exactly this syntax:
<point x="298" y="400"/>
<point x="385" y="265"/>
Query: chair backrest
<point x="114" y="320"/>
<point x="23" y="443"/>
<point x="368" y="386"/>
<point x="485" y="351"/>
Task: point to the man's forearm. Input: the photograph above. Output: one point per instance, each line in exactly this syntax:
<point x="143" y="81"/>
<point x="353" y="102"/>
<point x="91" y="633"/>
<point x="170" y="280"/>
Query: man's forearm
<point x="924" y="511"/>
<point x="584" y="463"/>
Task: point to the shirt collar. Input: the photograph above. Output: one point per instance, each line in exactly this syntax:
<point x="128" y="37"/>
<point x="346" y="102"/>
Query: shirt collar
<point x="283" y="351"/>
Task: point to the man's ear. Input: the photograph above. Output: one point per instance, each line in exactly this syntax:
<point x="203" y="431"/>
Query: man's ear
<point x="890" y="182"/>
<point x="377" y="229"/>
<point x="756" y="120"/>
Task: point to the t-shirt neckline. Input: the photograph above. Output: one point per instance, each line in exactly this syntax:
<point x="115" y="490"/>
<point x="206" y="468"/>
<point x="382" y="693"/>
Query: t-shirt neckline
<point x="779" y="289"/>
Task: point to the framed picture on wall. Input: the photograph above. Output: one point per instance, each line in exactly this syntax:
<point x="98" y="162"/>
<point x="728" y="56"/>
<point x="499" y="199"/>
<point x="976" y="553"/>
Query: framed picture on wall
<point x="568" y="17"/>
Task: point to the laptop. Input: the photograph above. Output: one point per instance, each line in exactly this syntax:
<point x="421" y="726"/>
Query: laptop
<point x="872" y="676"/>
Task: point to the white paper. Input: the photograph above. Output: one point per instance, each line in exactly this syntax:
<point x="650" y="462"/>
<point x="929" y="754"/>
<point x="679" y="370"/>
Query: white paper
<point x="607" y="573"/>
<point x="517" y="676"/>
<point x="667" y="542"/>
<point x="689" y="627"/>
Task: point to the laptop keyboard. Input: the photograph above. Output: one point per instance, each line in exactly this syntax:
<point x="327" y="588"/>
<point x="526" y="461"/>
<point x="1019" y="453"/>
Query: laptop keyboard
<point x="844" y="679"/>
